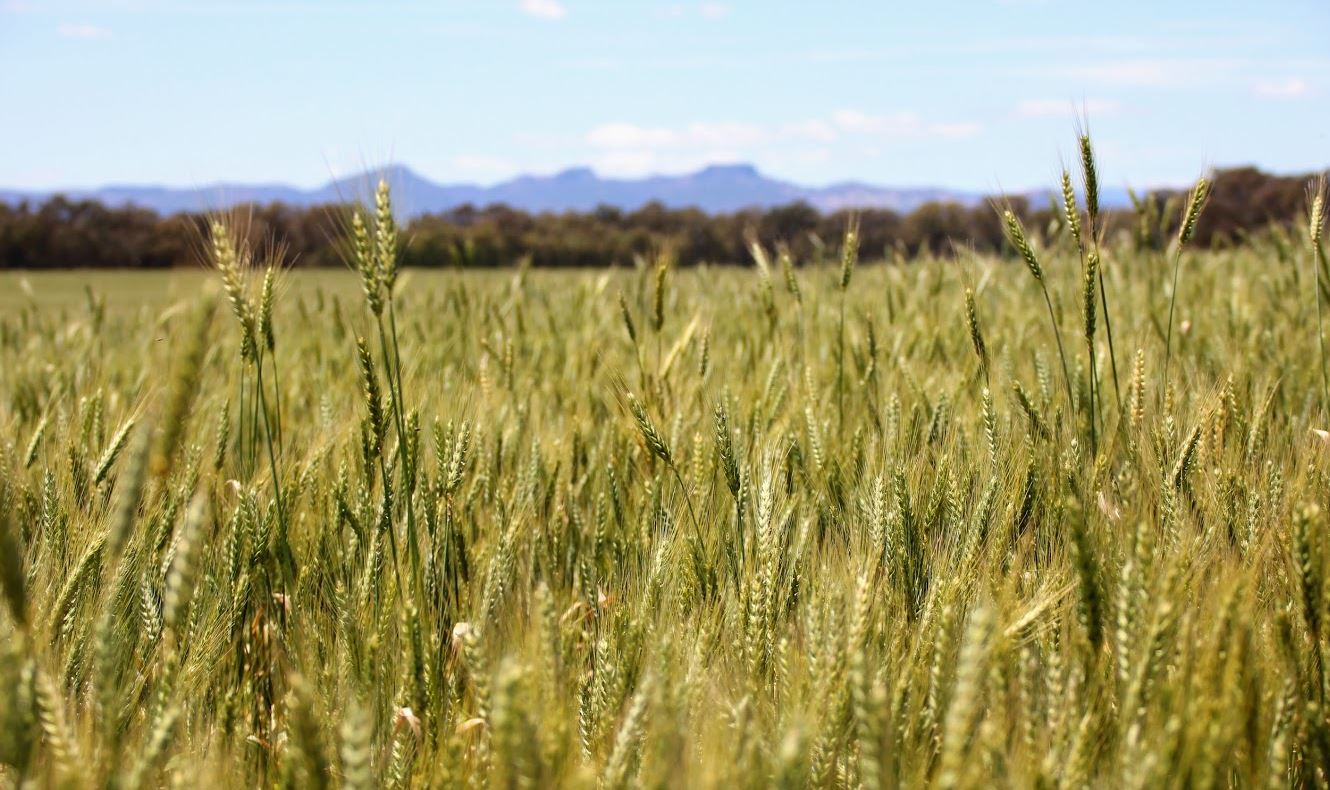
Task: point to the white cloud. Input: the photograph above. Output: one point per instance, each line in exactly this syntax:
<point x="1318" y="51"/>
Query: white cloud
<point x="745" y="138"/>
<point x="544" y="9"/>
<point x="83" y="32"/>
<point x="623" y="136"/>
<point x="624" y="149"/>
<point x="625" y="163"/>
<point x="713" y="10"/>
<point x="483" y="166"/>
<point x="725" y="134"/>
<point x="1132" y="72"/>
<point x="1156" y="72"/>
<point x="857" y="122"/>
<point x="627" y="135"/>
<point x="816" y="129"/>
<point x="899" y="125"/>
<point x="1291" y="88"/>
<point x="1060" y="108"/>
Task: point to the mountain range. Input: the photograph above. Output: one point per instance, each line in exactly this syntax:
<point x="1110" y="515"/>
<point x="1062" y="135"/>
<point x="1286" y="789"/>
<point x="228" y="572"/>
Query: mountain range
<point x="716" y="188"/>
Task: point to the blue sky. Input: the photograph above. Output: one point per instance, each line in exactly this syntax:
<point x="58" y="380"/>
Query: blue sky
<point x="977" y="95"/>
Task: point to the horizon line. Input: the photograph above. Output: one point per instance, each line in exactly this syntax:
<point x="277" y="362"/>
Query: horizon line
<point x="385" y="169"/>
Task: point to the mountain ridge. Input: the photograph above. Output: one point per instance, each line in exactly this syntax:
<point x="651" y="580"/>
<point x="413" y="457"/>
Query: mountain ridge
<point x="715" y="188"/>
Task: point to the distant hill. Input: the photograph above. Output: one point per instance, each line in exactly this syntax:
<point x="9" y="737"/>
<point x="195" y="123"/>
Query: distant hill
<point x="718" y="188"/>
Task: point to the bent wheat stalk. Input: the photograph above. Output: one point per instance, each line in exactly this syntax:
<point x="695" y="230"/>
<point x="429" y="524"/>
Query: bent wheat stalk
<point x="1194" y="205"/>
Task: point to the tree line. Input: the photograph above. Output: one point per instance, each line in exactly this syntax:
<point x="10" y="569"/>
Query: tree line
<point x="64" y="233"/>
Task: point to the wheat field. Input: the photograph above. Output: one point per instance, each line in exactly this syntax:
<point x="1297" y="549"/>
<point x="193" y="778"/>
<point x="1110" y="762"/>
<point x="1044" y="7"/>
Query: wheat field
<point x="851" y="525"/>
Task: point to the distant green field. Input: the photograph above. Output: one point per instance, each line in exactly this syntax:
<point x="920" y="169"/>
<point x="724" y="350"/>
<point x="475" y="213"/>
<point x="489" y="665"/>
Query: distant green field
<point x="129" y="288"/>
<point x="68" y="288"/>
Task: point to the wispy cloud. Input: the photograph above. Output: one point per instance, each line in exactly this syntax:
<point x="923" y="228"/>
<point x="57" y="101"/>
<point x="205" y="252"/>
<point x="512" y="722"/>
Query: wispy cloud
<point x="482" y="166"/>
<point x="857" y="122"/>
<point x="839" y="124"/>
<point x="627" y="163"/>
<point x="728" y="133"/>
<point x="627" y="135"/>
<point x="83" y="32"/>
<point x="624" y="148"/>
<point x="544" y="9"/>
<point x="1156" y="72"/>
<point x="899" y="125"/>
<point x="1291" y="88"/>
<point x="1133" y="72"/>
<point x="700" y="133"/>
<point x="1065" y="108"/>
<point x="627" y="149"/>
